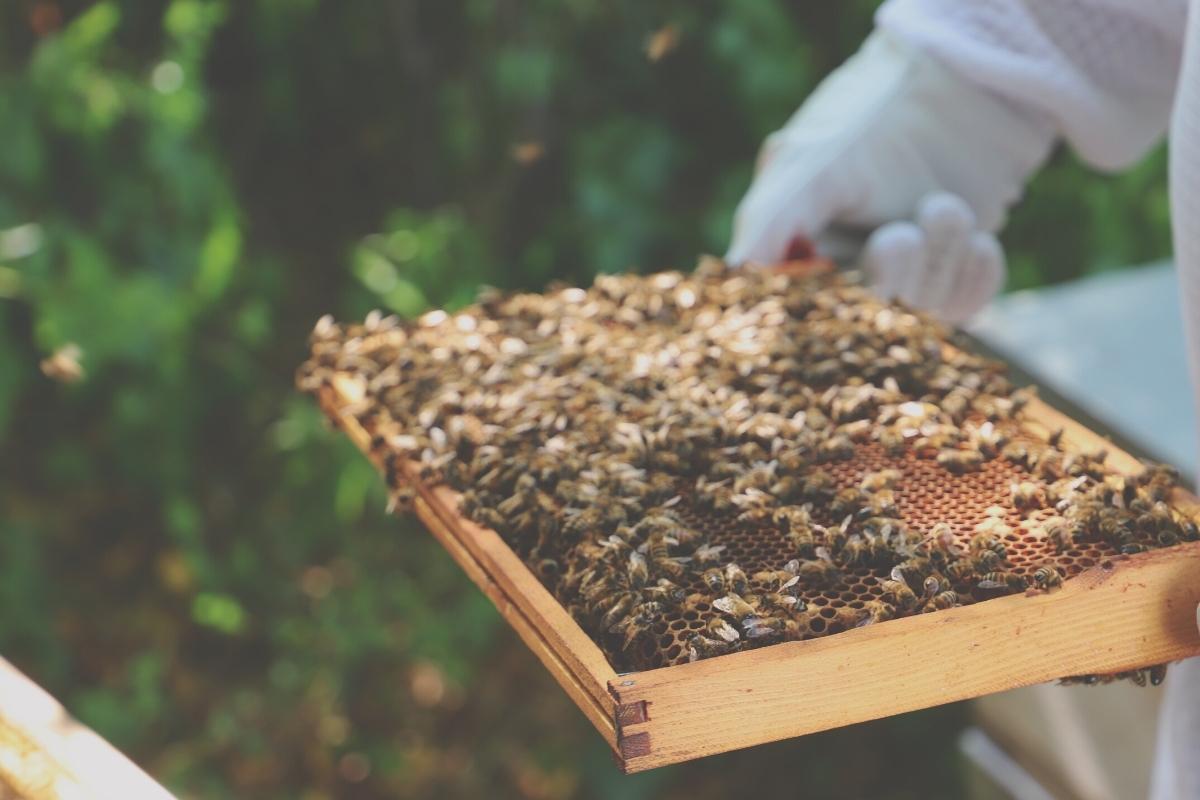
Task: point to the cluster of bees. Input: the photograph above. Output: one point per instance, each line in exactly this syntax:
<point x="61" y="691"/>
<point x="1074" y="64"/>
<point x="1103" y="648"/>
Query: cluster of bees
<point x="601" y="431"/>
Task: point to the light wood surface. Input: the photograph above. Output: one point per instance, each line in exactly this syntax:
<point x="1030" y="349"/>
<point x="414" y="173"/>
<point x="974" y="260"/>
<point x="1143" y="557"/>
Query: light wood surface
<point x="1118" y="615"/>
<point x="46" y="755"/>
<point x="1121" y="614"/>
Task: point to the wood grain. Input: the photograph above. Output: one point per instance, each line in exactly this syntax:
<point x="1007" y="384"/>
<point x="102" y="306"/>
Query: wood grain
<point x="1118" y="615"/>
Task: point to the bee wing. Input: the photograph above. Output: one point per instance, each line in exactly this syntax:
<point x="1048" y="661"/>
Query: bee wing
<point x="792" y="566"/>
<point x="790" y="582"/>
<point x="724" y="604"/>
<point x="991" y="584"/>
<point x="756" y="628"/>
<point x="897" y="574"/>
<point x="823" y="554"/>
<point x="727" y="632"/>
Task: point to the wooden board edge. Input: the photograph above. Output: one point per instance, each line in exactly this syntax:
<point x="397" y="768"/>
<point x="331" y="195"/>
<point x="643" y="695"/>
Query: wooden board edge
<point x="38" y="735"/>
<point x="1124" y="613"/>
<point x="602" y="716"/>
<point x="566" y="650"/>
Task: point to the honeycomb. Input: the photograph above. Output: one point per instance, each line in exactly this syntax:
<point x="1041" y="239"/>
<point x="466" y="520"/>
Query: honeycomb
<point x="594" y="429"/>
<point x="926" y="494"/>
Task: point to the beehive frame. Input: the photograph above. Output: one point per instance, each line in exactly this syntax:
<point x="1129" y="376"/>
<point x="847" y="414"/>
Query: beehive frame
<point x="1122" y="613"/>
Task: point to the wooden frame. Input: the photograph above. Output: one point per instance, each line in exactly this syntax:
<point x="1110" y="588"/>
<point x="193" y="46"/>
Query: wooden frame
<point x="1121" y="614"/>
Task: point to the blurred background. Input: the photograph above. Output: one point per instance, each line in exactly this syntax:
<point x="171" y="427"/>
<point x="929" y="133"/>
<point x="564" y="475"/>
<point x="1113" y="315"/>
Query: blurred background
<point x="188" y="558"/>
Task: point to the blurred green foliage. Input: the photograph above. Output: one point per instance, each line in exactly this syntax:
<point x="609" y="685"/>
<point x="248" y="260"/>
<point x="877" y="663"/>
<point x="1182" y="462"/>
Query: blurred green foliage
<point x="187" y="557"/>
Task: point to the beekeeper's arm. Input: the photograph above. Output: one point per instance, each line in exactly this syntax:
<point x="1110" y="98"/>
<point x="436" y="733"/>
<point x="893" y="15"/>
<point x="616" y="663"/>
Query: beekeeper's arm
<point x="963" y="99"/>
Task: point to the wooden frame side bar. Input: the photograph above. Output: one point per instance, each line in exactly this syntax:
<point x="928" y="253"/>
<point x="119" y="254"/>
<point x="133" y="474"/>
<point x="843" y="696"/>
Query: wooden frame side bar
<point x="542" y="623"/>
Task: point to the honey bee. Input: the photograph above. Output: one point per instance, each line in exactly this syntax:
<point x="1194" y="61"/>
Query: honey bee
<point x="1157" y="674"/>
<point x="818" y="486"/>
<point x="735" y="606"/>
<point x="847" y="501"/>
<point x="763" y="627"/>
<point x="714" y="579"/>
<point x="769" y="577"/>
<point x="796" y="523"/>
<point x="1025" y="494"/>
<point x="638" y="571"/>
<point x="658" y="549"/>
<point x="759" y="477"/>
<point x="707" y="552"/>
<point x="942" y="600"/>
<point x="912" y="570"/>
<point x="618" y="610"/>
<point x="1003" y="580"/>
<point x="962" y="570"/>
<point x="989" y="540"/>
<point x="1056" y="531"/>
<point x="899" y="593"/>
<point x="820" y="571"/>
<point x="989" y="439"/>
<point x="883" y="479"/>
<point x="720" y="629"/>
<point x="838" y="447"/>
<point x="1046" y="577"/>
<point x="892" y="441"/>
<point x="857" y="550"/>
<point x="638" y="623"/>
<point x="735" y="578"/>
<point x="700" y="647"/>
<point x="755" y="515"/>
<point x="882" y="503"/>
<point x="876" y="611"/>
<point x="959" y="461"/>
<point x="986" y="561"/>
<point x="1019" y="453"/>
<point x="941" y="542"/>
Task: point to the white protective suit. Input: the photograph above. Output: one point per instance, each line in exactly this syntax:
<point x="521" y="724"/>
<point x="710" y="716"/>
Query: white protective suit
<point x="928" y="135"/>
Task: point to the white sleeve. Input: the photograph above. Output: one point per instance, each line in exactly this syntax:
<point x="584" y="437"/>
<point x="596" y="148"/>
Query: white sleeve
<point x="1176" y="765"/>
<point x="1103" y="70"/>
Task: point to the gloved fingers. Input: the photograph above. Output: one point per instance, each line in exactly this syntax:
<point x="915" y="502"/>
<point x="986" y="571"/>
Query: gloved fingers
<point x="947" y="223"/>
<point x="894" y="260"/>
<point x="786" y="201"/>
<point x="980" y="278"/>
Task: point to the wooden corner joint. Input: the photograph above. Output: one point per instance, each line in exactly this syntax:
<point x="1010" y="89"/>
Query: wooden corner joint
<point x="630" y="744"/>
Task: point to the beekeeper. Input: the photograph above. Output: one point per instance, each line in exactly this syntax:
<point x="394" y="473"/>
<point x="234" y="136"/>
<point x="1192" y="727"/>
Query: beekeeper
<point x="919" y="144"/>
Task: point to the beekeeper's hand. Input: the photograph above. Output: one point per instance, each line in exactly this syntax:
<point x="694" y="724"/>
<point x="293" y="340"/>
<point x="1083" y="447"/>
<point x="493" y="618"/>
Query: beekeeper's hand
<point x="888" y="138"/>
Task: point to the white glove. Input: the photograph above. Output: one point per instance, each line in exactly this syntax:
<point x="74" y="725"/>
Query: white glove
<point x="942" y="262"/>
<point x="889" y="127"/>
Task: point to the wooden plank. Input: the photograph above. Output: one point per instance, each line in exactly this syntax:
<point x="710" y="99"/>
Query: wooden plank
<point x="566" y="650"/>
<point x="600" y="715"/>
<point x="46" y="755"/>
<point x="1121" y="614"/>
